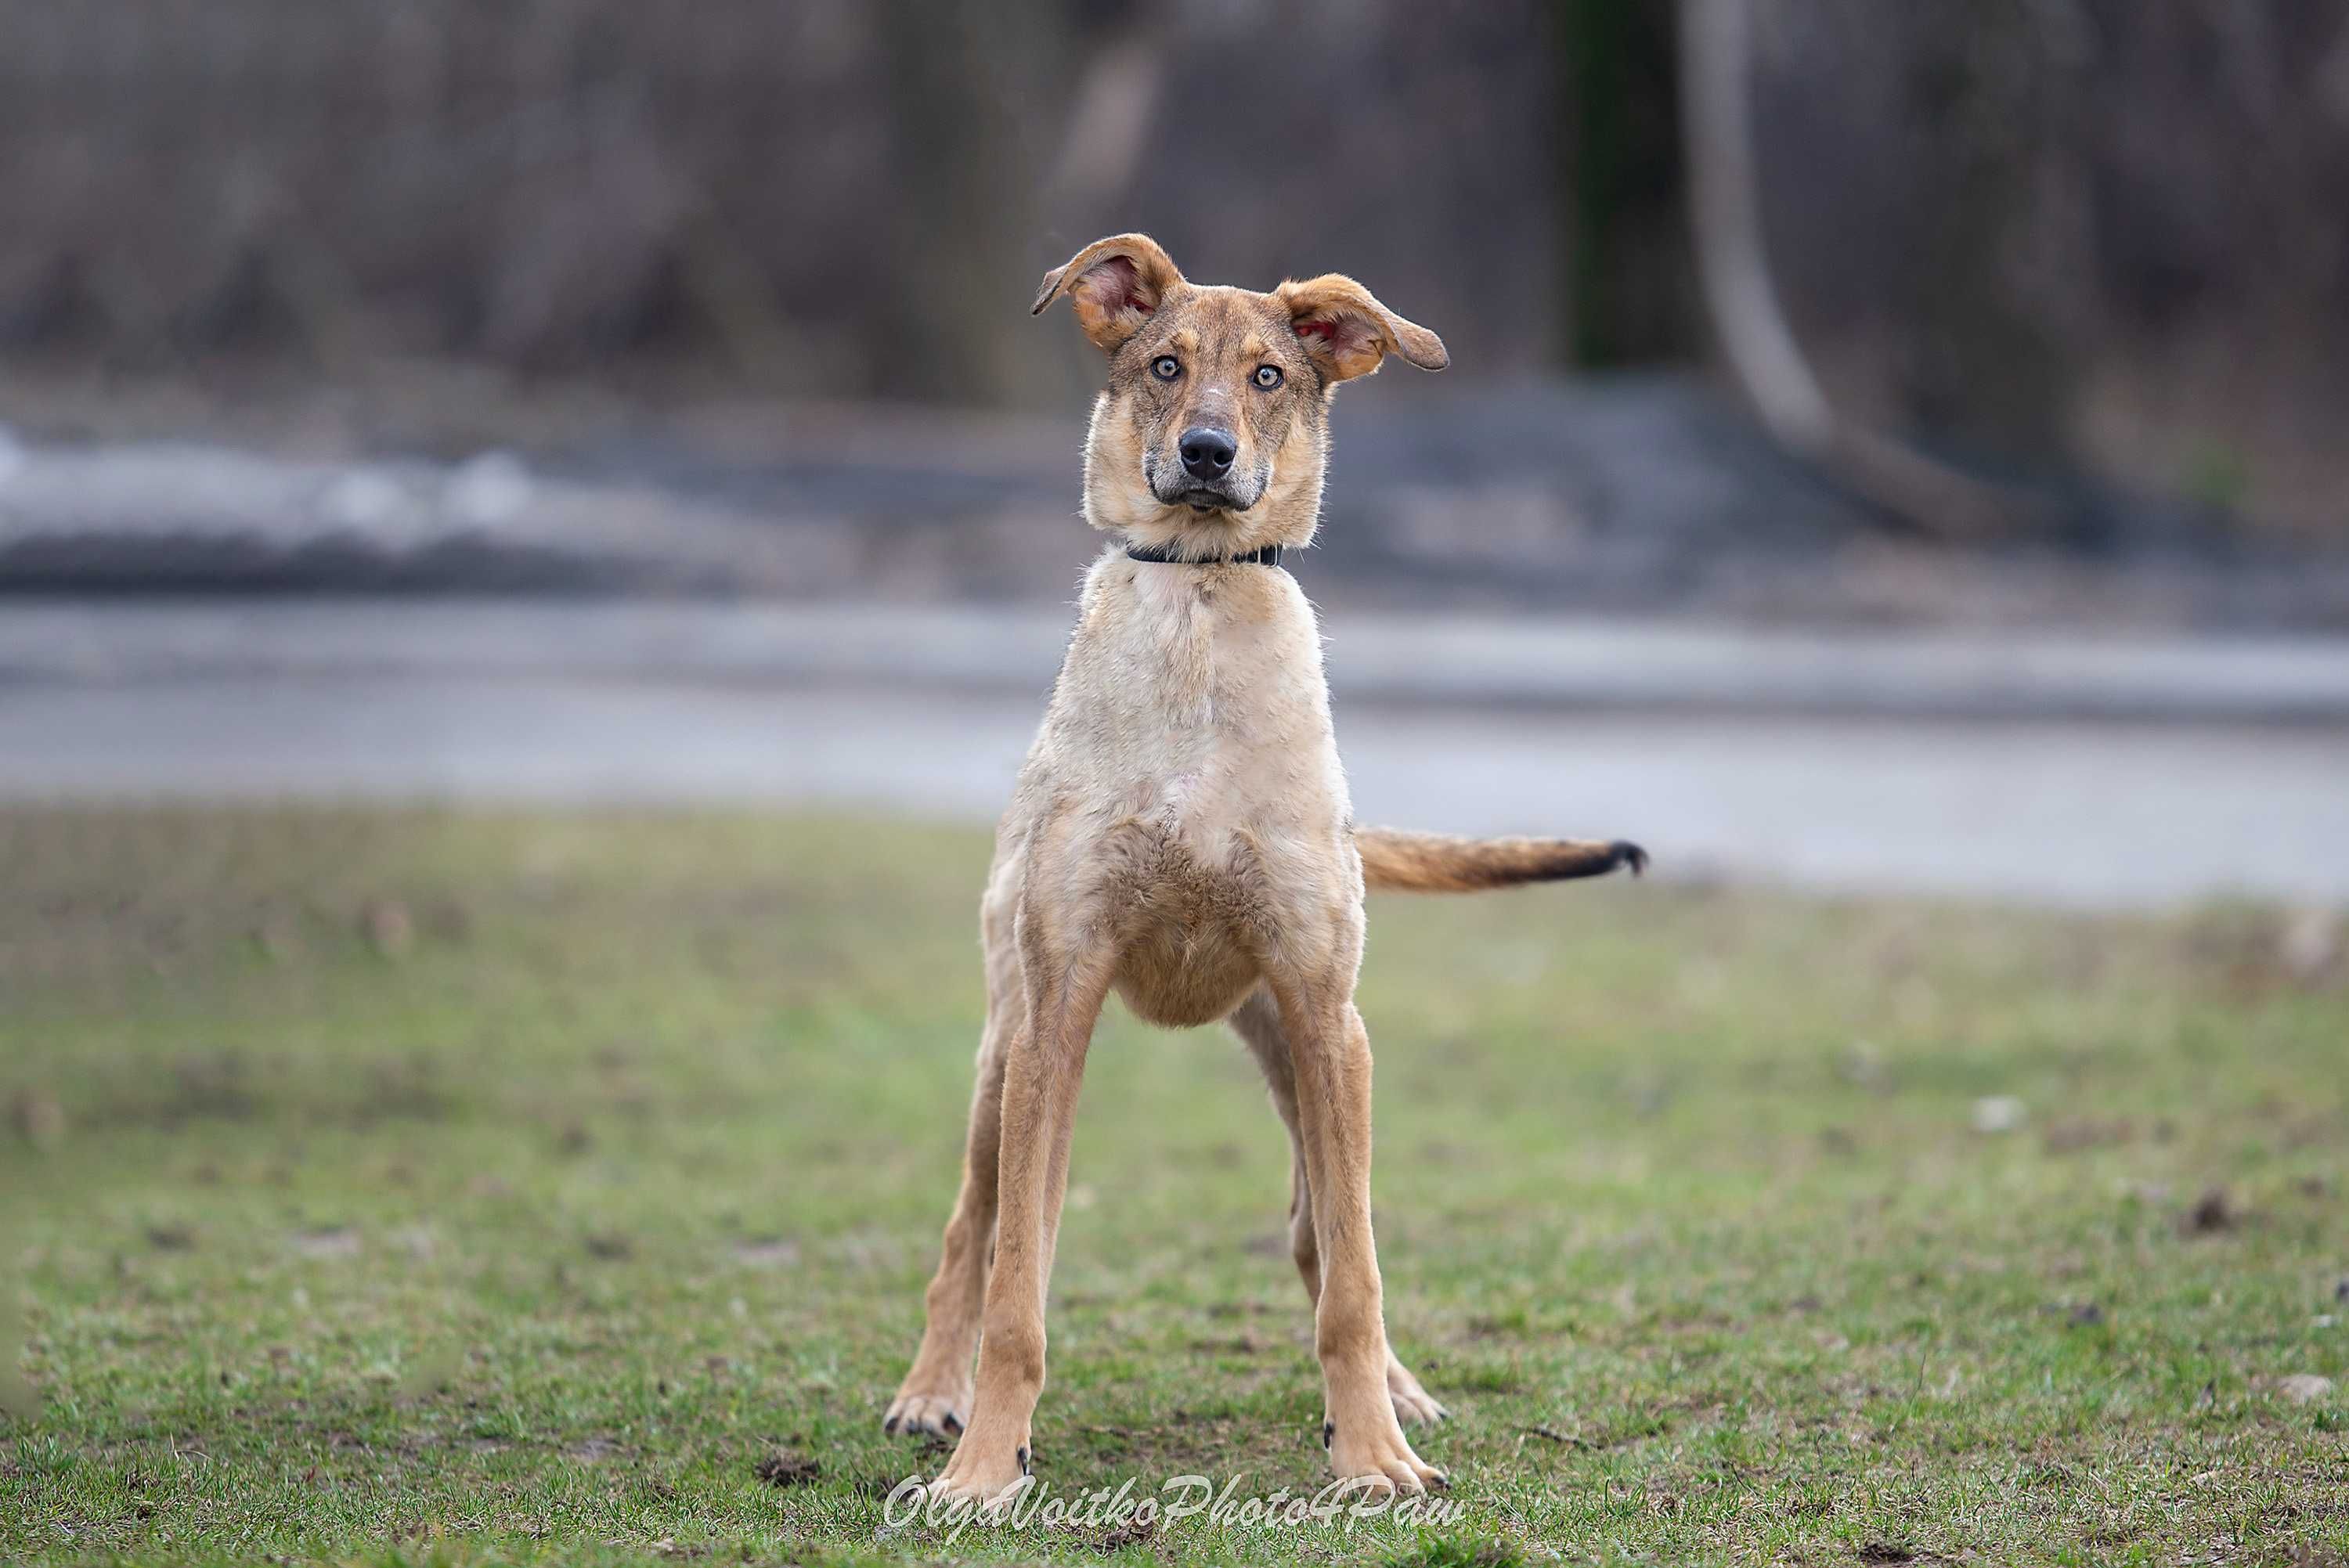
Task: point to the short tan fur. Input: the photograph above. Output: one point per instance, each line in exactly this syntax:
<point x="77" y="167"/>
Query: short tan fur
<point x="1181" y="834"/>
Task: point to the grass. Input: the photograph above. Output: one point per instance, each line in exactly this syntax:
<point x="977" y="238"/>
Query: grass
<point x="515" y="1187"/>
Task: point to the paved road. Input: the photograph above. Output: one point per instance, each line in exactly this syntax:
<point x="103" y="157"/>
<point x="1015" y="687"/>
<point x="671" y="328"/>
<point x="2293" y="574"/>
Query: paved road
<point x="2110" y="811"/>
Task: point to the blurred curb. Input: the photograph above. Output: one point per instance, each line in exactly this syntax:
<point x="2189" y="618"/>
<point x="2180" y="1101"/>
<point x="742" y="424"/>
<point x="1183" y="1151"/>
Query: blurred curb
<point x="1440" y="661"/>
<point x="1613" y="498"/>
<point x="191" y="517"/>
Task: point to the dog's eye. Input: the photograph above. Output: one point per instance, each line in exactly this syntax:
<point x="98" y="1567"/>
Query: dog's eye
<point x="1267" y="376"/>
<point x="1166" y="367"/>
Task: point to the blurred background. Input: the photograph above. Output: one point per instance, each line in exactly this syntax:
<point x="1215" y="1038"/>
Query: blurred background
<point x="1885" y="446"/>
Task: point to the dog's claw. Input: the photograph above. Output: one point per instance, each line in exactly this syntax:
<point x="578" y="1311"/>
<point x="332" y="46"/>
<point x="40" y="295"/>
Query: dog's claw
<point x="929" y="1416"/>
<point x="1328" y="1430"/>
<point x="1372" y="1453"/>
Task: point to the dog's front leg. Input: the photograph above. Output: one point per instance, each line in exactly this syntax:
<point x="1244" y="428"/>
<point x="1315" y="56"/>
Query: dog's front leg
<point x="934" y="1401"/>
<point x="935" y="1398"/>
<point x="1330" y="1052"/>
<point x="1042" y="1071"/>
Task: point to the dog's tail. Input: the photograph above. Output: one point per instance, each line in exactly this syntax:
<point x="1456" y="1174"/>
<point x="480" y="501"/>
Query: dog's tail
<point x="1433" y="862"/>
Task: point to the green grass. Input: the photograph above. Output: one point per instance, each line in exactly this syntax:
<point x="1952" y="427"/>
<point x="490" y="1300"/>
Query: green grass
<point x="505" y="1188"/>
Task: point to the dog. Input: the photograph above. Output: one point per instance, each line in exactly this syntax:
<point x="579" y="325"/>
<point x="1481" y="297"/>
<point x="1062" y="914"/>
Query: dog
<point x="1181" y="834"/>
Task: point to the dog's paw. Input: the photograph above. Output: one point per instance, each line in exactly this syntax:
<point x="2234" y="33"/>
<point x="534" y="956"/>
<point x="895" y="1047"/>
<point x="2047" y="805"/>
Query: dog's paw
<point x="916" y="1414"/>
<point x="1380" y="1458"/>
<point x="1413" y="1406"/>
<point x="1624" y="853"/>
<point x="983" y="1472"/>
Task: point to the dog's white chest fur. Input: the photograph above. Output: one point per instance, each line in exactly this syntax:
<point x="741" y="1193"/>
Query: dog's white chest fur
<point x="1186" y="783"/>
<point x="1195" y="695"/>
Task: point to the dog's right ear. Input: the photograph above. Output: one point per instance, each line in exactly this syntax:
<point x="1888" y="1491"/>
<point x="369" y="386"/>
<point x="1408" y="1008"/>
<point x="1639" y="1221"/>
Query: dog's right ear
<point x="1113" y="286"/>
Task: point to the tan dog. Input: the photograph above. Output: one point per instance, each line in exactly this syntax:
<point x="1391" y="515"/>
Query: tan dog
<point x="1181" y="834"/>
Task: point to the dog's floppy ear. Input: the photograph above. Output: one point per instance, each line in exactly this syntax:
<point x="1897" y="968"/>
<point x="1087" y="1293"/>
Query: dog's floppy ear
<point x="1346" y="331"/>
<point x="1113" y="285"/>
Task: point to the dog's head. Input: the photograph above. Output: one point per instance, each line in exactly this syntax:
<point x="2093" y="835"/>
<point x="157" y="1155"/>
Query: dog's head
<point x="1213" y="432"/>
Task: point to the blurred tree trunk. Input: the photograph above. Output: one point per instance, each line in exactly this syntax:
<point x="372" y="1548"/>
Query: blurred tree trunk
<point x="1628" y="287"/>
<point x="1733" y="258"/>
<point x="964" y="80"/>
<point x="1983" y="366"/>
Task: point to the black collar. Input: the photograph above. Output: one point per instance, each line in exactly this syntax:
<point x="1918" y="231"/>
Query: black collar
<point x="1269" y="555"/>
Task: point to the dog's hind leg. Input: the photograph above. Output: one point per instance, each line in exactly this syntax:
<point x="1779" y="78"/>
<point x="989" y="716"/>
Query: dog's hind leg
<point x="1258" y="1023"/>
<point x="1330" y="1051"/>
<point x="935" y="1398"/>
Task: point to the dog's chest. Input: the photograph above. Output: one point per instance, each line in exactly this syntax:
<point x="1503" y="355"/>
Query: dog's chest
<point x="1187" y="781"/>
<point x="1222" y="716"/>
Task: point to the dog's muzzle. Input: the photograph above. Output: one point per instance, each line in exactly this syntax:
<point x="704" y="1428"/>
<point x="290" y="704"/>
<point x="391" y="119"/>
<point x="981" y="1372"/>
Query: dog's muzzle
<point x="1180" y="489"/>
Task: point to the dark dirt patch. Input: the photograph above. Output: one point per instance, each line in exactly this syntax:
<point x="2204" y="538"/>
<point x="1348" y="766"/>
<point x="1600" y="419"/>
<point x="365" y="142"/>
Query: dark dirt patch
<point x="784" y="1468"/>
<point x="2214" y="1212"/>
<point x="1118" y="1537"/>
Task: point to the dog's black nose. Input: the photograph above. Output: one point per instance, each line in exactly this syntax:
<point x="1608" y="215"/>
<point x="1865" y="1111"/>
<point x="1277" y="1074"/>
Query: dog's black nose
<point x="1208" y="454"/>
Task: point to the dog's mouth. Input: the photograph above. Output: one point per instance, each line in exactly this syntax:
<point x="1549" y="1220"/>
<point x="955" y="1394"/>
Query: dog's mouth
<point x="1201" y="498"/>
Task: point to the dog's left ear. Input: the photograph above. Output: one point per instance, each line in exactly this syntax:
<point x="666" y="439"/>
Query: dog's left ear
<point x="1347" y="332"/>
<point x="1113" y="285"/>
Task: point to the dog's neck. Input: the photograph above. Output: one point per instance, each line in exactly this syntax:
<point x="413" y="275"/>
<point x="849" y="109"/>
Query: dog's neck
<point x="1169" y="554"/>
